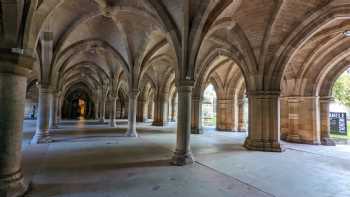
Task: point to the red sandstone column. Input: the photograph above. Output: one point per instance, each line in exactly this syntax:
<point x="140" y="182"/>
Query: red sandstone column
<point x="264" y="122"/>
<point x="325" y="124"/>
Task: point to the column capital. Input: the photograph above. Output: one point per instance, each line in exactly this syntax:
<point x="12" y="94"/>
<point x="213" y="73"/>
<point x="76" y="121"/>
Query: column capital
<point x="184" y="89"/>
<point x="59" y="93"/>
<point x="326" y="99"/>
<point x="184" y="83"/>
<point x="46" y="87"/>
<point x="134" y="93"/>
<point x="14" y="62"/>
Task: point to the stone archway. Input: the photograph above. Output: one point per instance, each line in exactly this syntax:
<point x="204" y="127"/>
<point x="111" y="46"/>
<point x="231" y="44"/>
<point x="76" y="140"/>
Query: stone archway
<point x="78" y="104"/>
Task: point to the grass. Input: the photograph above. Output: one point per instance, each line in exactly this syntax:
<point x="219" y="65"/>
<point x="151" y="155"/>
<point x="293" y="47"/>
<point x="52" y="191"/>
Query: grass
<point x="343" y="136"/>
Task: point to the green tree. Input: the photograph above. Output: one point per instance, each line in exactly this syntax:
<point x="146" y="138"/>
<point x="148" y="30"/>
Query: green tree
<point x="341" y="89"/>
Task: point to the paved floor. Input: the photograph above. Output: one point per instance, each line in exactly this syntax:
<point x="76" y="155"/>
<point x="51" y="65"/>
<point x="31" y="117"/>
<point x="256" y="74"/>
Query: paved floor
<point x="91" y="160"/>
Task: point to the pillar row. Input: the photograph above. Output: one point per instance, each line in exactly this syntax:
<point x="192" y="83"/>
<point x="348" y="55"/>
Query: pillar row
<point x="58" y="107"/>
<point x="264" y="122"/>
<point x="150" y="109"/>
<point x="103" y="110"/>
<point x="141" y="110"/>
<point x="241" y="117"/>
<point x="113" y="113"/>
<point x="227" y="114"/>
<point x="97" y="110"/>
<point x="173" y="110"/>
<point x="196" y="123"/>
<point x="53" y="111"/>
<point x="183" y="153"/>
<point x="160" y="110"/>
<point x="42" y="134"/>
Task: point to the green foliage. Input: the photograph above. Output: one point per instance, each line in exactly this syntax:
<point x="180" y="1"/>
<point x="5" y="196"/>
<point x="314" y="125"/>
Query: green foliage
<point x="341" y="89"/>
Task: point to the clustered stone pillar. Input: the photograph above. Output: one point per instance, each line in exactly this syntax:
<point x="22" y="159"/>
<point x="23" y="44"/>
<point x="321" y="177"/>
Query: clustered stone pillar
<point x="183" y="153"/>
<point x="119" y="108"/>
<point x="132" y="114"/>
<point x="103" y="110"/>
<point x="150" y="109"/>
<point x="12" y="101"/>
<point x="293" y="120"/>
<point x="160" y="110"/>
<point x="53" y="111"/>
<point x="141" y="110"/>
<point x="226" y="115"/>
<point x="173" y="109"/>
<point x="241" y="120"/>
<point x="42" y="134"/>
<point x="264" y="122"/>
<point x="113" y="114"/>
<point x="126" y="110"/>
<point x="97" y="109"/>
<point x="325" y="124"/>
<point x="196" y="125"/>
<point x="58" y="107"/>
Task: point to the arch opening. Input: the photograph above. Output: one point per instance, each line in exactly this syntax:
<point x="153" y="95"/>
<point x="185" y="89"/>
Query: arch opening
<point x="78" y="105"/>
<point x="209" y="105"/>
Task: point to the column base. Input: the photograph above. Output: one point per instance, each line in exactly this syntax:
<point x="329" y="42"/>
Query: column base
<point x="180" y="158"/>
<point x="327" y="142"/>
<point x="225" y="130"/>
<point x="294" y="138"/>
<point x="41" y="139"/>
<point x="102" y="121"/>
<point x="263" y="145"/>
<point x="54" y="127"/>
<point x="243" y="130"/>
<point x="159" y="124"/>
<point x="113" y="124"/>
<point x="12" y="185"/>
<point x="131" y="134"/>
<point x="196" y="131"/>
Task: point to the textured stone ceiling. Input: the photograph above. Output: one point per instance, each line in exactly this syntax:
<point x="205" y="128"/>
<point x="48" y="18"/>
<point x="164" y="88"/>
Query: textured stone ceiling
<point x="270" y="40"/>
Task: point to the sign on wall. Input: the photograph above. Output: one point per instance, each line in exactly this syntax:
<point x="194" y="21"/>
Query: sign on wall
<point x="338" y="123"/>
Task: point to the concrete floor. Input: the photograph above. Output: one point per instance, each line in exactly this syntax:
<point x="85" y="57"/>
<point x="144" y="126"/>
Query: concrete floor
<point x="91" y="160"/>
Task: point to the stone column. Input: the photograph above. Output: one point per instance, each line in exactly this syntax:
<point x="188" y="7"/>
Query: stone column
<point x="196" y="125"/>
<point x="53" y="111"/>
<point x="141" y="103"/>
<point x="113" y="113"/>
<point x="119" y="109"/>
<point x="12" y="101"/>
<point x="226" y="119"/>
<point x="42" y="134"/>
<point x="97" y="110"/>
<point x="293" y="120"/>
<point x="126" y="110"/>
<point x="183" y="155"/>
<point x="160" y="110"/>
<point x="150" y="110"/>
<point x="58" y="107"/>
<point x="173" y="110"/>
<point x="241" y="120"/>
<point x="132" y="114"/>
<point x="325" y="124"/>
<point x="103" y="110"/>
<point x="264" y="122"/>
